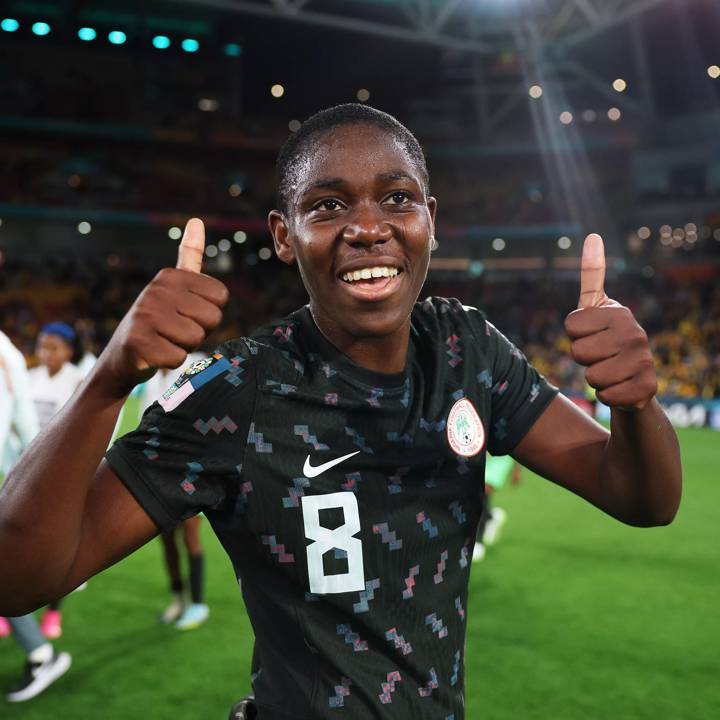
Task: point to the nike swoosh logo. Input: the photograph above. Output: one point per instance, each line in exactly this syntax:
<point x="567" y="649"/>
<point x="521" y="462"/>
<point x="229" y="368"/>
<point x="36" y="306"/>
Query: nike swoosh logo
<point x="311" y="472"/>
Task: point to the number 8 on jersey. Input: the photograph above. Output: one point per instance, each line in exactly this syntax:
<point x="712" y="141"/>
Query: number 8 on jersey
<point x="341" y="538"/>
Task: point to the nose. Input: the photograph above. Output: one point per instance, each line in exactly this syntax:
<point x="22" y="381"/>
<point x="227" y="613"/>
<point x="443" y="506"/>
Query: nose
<point x="367" y="228"/>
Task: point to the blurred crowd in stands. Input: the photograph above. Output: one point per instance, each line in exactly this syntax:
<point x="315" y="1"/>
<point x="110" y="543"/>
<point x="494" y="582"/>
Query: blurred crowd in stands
<point x="682" y="320"/>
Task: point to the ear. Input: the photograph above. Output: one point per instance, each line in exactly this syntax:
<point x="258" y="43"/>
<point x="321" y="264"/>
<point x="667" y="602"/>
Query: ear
<point x="432" y="207"/>
<point x="281" y="234"/>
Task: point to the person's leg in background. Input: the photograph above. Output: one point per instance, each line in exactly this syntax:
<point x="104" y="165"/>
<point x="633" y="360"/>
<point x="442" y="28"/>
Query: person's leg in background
<point x="44" y="664"/>
<point x="51" y="623"/>
<point x="172" y="563"/>
<point x="197" y="612"/>
<point x="498" y="469"/>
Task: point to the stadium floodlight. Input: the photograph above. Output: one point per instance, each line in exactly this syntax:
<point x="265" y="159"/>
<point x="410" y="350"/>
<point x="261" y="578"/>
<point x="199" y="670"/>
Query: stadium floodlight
<point x="190" y="45"/>
<point x="117" y="37"/>
<point x="535" y="92"/>
<point x="233" y="50"/>
<point x="9" y="24"/>
<point x="87" y="34"/>
<point x="41" y="28"/>
<point x="161" y="42"/>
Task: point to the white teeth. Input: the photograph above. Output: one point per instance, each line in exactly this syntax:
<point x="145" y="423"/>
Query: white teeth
<point x="368" y="273"/>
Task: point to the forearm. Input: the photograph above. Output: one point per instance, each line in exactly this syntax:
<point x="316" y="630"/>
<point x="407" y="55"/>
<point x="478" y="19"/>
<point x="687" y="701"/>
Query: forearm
<point x="43" y="499"/>
<point x="641" y="474"/>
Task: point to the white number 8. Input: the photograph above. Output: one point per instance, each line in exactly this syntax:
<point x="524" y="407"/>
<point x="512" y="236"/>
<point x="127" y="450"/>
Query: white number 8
<point x="341" y="538"/>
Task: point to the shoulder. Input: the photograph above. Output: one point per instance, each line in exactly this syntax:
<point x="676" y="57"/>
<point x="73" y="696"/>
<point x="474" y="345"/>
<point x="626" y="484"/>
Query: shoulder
<point x="439" y="315"/>
<point x="217" y="379"/>
<point x="281" y="346"/>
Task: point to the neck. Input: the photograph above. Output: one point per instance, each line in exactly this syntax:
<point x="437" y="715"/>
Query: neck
<point x="383" y="353"/>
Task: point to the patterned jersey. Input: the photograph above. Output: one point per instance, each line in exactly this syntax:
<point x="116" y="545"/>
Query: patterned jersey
<point x="346" y="499"/>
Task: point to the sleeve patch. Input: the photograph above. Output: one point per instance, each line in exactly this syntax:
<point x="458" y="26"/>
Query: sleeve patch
<point x="192" y="379"/>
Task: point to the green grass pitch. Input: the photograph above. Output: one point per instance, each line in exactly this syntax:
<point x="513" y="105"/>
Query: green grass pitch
<point x="571" y="615"/>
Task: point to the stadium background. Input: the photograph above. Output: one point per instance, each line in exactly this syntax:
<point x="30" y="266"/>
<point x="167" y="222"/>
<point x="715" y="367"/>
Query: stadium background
<point x="542" y="120"/>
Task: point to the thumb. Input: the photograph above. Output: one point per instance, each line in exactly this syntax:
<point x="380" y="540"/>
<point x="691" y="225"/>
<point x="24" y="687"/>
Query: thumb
<point x="592" y="272"/>
<point x="192" y="246"/>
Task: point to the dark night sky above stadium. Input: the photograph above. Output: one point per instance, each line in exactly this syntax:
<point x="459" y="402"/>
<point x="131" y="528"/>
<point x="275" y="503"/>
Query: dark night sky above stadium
<point x="320" y="66"/>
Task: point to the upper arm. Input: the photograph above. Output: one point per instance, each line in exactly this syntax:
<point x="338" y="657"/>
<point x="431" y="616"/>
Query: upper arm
<point x="567" y="446"/>
<point x="114" y="525"/>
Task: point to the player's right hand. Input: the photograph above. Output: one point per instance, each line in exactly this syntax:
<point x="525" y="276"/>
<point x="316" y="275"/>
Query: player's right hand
<point x="170" y="318"/>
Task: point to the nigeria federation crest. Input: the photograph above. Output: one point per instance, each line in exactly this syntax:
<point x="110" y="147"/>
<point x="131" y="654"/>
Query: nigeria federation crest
<point x="465" y="431"/>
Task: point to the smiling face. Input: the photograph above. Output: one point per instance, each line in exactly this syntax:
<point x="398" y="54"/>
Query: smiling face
<point x="360" y="227"/>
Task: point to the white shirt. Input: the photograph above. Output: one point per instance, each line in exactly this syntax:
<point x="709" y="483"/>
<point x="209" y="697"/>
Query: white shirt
<point x="18" y="421"/>
<point x="50" y="393"/>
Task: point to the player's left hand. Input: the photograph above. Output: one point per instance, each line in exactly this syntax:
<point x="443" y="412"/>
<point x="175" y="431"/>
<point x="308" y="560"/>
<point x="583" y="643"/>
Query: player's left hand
<point x="607" y="339"/>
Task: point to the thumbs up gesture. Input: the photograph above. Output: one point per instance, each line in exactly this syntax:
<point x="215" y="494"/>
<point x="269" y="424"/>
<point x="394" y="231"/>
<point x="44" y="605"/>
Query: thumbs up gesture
<point x="607" y="339"/>
<point x="171" y="317"/>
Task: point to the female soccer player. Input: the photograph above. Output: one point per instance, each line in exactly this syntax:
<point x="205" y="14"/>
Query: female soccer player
<point x="52" y="383"/>
<point x="339" y="453"/>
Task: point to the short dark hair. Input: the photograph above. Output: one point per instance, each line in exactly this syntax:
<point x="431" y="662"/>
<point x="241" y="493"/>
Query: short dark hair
<point x="300" y="142"/>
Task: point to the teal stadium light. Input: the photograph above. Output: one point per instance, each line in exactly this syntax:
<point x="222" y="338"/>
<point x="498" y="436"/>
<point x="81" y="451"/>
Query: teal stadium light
<point x="41" y="28"/>
<point x="476" y="268"/>
<point x="233" y="50"/>
<point x="117" y="37"/>
<point x="9" y="24"/>
<point x="190" y="45"/>
<point x="161" y="42"/>
<point x="87" y="34"/>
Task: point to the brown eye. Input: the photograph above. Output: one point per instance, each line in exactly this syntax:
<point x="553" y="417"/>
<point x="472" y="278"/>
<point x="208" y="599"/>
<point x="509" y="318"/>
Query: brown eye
<point x="399" y="198"/>
<point x="327" y="205"/>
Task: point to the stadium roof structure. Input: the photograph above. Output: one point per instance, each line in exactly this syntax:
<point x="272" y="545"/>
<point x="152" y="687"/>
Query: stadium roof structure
<point x="478" y="26"/>
<point x="552" y="42"/>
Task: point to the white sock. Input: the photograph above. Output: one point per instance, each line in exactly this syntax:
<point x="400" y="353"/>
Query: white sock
<point x="41" y="654"/>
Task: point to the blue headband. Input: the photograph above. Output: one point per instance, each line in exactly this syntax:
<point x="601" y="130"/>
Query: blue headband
<point x="62" y="329"/>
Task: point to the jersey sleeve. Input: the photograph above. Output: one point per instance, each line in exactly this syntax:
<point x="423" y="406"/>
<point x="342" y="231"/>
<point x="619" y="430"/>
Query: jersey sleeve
<point x="519" y="393"/>
<point x="186" y="456"/>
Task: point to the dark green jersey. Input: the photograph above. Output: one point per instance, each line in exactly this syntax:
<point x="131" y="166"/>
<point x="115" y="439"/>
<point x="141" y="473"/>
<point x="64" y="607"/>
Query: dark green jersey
<point x="346" y="499"/>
